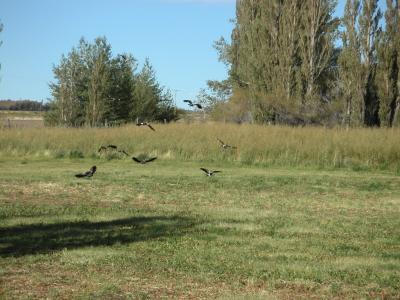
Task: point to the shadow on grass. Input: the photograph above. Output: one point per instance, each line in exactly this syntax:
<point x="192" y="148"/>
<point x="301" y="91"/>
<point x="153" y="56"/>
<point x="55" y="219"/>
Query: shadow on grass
<point x="45" y="238"/>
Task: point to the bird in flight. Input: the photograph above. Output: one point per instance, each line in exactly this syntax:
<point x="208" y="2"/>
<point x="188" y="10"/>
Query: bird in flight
<point x="87" y="173"/>
<point x="107" y="147"/>
<point x="144" y="161"/>
<point x="191" y="103"/>
<point x="225" y="146"/>
<point x="209" y="172"/>
<point x="145" y="124"/>
<point x="113" y="147"/>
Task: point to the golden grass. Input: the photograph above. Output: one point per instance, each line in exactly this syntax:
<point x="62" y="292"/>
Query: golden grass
<point x="269" y="145"/>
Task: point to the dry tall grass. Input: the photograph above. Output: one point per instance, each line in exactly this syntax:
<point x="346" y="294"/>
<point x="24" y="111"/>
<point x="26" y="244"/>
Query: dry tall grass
<point x="270" y="145"/>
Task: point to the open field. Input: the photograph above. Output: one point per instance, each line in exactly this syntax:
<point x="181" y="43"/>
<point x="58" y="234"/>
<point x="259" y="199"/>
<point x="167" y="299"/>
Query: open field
<point x="357" y="149"/>
<point x="257" y="230"/>
<point x="21" y="119"/>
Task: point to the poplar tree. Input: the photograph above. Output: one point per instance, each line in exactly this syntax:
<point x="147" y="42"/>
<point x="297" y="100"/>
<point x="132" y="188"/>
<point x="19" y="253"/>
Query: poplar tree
<point x="350" y="66"/>
<point x="99" y="82"/>
<point x="389" y="64"/>
<point x="369" y="34"/>
<point x="318" y="34"/>
<point x="282" y="53"/>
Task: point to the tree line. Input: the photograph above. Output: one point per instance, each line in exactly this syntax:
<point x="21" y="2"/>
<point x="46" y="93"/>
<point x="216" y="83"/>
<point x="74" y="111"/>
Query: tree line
<point x="23" y="105"/>
<point x="294" y="62"/>
<point x="94" y="88"/>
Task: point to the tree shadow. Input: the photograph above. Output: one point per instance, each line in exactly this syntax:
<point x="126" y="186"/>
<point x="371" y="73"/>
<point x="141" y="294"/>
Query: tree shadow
<point x="45" y="238"/>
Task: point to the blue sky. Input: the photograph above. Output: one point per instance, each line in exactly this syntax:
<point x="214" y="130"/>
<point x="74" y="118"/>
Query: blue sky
<point x="176" y="35"/>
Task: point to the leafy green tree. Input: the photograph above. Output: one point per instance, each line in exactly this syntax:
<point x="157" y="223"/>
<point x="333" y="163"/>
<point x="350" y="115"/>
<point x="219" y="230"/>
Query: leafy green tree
<point x="99" y="82"/>
<point x="92" y="88"/>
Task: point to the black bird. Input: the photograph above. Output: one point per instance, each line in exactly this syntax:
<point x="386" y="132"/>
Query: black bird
<point x="209" y="172"/>
<point x="225" y="146"/>
<point x="145" y="124"/>
<point x="87" y="173"/>
<point x="191" y="103"/>
<point x="144" y="161"/>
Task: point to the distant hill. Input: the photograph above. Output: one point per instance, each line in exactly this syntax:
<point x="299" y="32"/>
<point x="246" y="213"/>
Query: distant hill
<point x="23" y="105"/>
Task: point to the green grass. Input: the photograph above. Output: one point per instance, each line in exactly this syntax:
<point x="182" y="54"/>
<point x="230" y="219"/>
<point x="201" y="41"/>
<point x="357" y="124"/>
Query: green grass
<point x="164" y="230"/>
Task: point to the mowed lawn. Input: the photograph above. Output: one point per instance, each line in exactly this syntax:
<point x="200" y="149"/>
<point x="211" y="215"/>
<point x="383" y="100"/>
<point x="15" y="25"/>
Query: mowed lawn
<point x="166" y="230"/>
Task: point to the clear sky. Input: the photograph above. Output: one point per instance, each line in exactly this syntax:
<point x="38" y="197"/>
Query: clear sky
<point x="176" y="35"/>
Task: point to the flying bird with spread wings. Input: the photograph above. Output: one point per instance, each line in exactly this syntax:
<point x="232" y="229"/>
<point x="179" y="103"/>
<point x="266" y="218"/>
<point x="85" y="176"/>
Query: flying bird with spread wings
<point x="191" y="103"/>
<point x="87" y="174"/>
<point x="209" y="172"/>
<point x="113" y="147"/>
<point x="144" y="161"/>
<point x="225" y="146"/>
<point x="145" y="124"/>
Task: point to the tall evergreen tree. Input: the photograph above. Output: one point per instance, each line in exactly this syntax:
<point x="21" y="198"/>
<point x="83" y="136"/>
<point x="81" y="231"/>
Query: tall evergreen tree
<point x="123" y="69"/>
<point x="145" y="93"/>
<point x="150" y="101"/>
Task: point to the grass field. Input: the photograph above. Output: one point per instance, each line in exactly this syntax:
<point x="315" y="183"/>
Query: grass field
<point x="164" y="230"/>
<point x="21" y="119"/>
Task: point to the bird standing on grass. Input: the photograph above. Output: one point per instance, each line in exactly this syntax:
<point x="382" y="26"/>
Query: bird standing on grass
<point x="145" y="124"/>
<point x="87" y="173"/>
<point x="209" y="172"/>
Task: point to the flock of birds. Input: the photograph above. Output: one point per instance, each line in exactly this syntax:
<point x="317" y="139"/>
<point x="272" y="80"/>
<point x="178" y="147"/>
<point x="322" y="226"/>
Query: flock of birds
<point x="92" y="170"/>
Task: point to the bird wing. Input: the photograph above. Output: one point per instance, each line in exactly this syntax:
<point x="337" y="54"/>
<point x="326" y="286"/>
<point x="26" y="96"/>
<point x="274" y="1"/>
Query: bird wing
<point x="199" y="106"/>
<point x="136" y="159"/>
<point x="151" y="127"/>
<point x="222" y="143"/>
<point x="93" y="170"/>
<point x="216" y="171"/>
<point x="188" y="101"/>
<point x="205" y="170"/>
<point x="112" y="146"/>
<point x="86" y="174"/>
<point x="150" y="159"/>
<point x="101" y="148"/>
